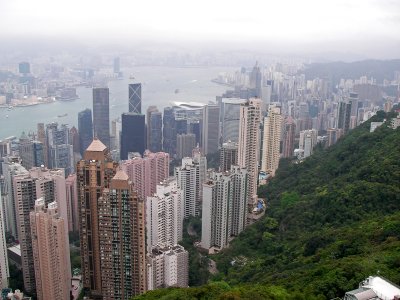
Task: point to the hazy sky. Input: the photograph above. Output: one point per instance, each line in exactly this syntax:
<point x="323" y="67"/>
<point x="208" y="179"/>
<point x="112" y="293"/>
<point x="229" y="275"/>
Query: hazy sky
<point x="288" y="22"/>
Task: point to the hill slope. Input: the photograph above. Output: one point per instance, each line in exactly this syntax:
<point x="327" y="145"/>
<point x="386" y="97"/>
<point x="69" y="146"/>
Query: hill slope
<point x="332" y="221"/>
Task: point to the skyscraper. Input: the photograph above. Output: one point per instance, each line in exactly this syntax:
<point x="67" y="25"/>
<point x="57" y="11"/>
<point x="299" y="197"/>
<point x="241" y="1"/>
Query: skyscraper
<point x="288" y="137"/>
<point x="185" y="144"/>
<point x="112" y="218"/>
<point x="169" y="131"/>
<point x="210" y="129"/>
<point x="271" y="141"/>
<point x="344" y="113"/>
<point x="41" y="136"/>
<point x="168" y="267"/>
<point x="189" y="178"/>
<point x="133" y="135"/>
<point x="135" y="98"/>
<point x="31" y="153"/>
<point x="94" y="174"/>
<point x="72" y="202"/>
<point x="307" y="141"/>
<point x="4" y="272"/>
<point x="230" y="115"/>
<point x="60" y="152"/>
<point x="85" y="129"/>
<point x="228" y="156"/>
<point x="164" y="215"/>
<point x="101" y="115"/>
<point x="122" y="240"/>
<point x="147" y="172"/>
<point x="249" y="144"/>
<point x="50" y="252"/>
<point x="224" y="211"/>
<point x="154" y="131"/>
<point x="11" y="167"/>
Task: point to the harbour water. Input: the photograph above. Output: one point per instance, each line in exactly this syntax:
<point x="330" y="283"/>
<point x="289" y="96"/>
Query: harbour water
<point x="160" y="86"/>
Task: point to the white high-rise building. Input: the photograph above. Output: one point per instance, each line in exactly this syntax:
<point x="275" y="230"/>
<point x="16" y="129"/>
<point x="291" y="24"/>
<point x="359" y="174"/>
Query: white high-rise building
<point x="307" y="142"/>
<point x="249" y="144"/>
<point x="224" y="211"/>
<point x="167" y="267"/>
<point x="190" y="177"/>
<point x="4" y="272"/>
<point x="164" y="215"/>
<point x="271" y="140"/>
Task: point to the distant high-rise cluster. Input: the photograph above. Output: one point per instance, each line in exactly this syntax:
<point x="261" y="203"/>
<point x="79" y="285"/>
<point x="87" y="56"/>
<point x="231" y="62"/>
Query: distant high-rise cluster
<point x="126" y="185"/>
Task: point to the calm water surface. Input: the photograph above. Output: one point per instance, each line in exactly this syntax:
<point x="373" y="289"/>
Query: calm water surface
<point x="158" y="88"/>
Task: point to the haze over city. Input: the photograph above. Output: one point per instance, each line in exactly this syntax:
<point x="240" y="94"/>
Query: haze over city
<point x="360" y="29"/>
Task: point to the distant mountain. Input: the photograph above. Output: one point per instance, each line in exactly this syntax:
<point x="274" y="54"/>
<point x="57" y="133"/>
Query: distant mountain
<point x="332" y="220"/>
<point x="334" y="71"/>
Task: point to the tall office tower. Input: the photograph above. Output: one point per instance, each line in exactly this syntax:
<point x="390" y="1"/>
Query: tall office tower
<point x="224" y="208"/>
<point x="307" y="141"/>
<point x="41" y="137"/>
<point x="271" y="141"/>
<point x="85" y="129"/>
<point x="194" y="127"/>
<point x="74" y="139"/>
<point x="167" y="267"/>
<point x="31" y="153"/>
<point x="50" y="252"/>
<point x="150" y="109"/>
<point x="169" y="131"/>
<point x="288" y="137"/>
<point x="189" y="180"/>
<point x="344" y="113"/>
<point x="116" y="65"/>
<point x="229" y="116"/>
<point x="353" y="100"/>
<point x="121" y="240"/>
<point x="101" y="115"/>
<point x="147" y="172"/>
<point x="60" y="152"/>
<point x="228" y="156"/>
<point x="249" y="144"/>
<point x="116" y="127"/>
<point x="333" y="136"/>
<point x="256" y="80"/>
<point x="135" y="98"/>
<point x="94" y="173"/>
<point x="133" y="134"/>
<point x="210" y="129"/>
<point x="154" y="131"/>
<point x="185" y="143"/>
<point x="164" y="215"/>
<point x="4" y="272"/>
<point x="24" y="67"/>
<point x="72" y="202"/>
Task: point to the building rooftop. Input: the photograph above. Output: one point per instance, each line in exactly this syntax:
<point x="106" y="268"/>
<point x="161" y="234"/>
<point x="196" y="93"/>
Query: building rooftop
<point x="96" y="146"/>
<point x="121" y="175"/>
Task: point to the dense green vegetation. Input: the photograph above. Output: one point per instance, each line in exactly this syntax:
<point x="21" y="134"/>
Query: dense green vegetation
<point x="332" y="220"/>
<point x="222" y="291"/>
<point x="198" y="262"/>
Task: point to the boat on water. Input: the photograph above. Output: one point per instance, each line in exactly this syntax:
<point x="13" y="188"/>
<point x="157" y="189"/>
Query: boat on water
<point x="63" y="115"/>
<point x="176" y="91"/>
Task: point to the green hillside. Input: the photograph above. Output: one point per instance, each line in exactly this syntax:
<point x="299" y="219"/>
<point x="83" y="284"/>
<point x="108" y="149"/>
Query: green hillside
<point x="332" y="221"/>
